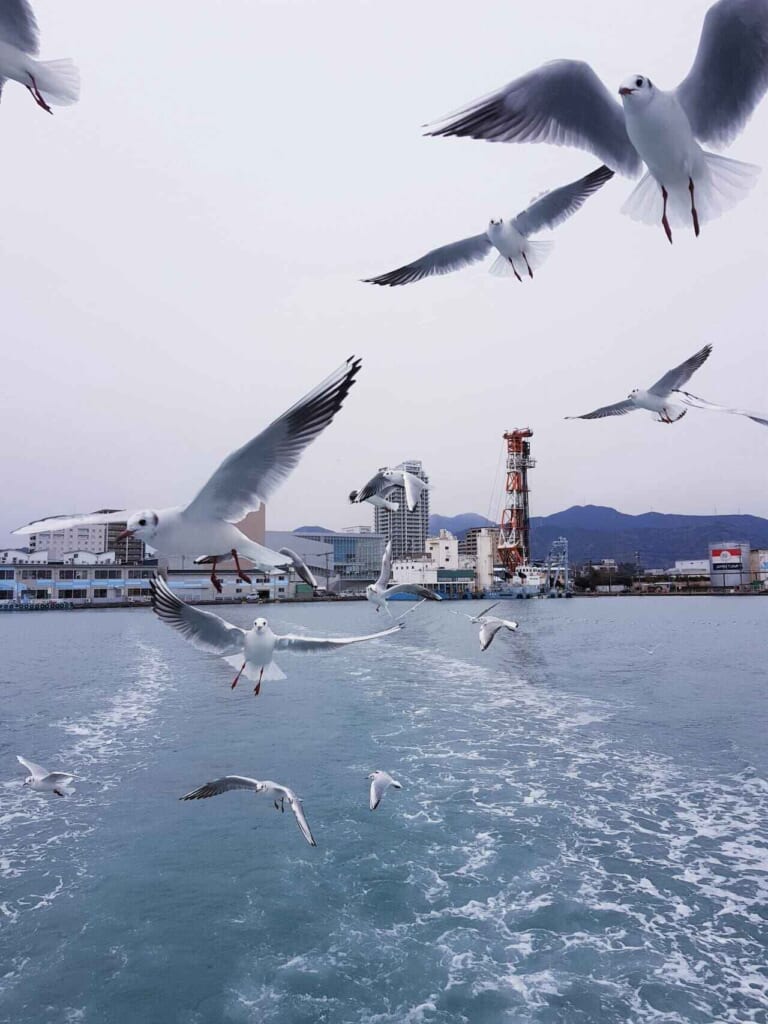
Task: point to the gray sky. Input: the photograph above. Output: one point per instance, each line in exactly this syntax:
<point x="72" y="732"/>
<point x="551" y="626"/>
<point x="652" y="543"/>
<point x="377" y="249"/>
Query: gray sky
<point x="180" y="254"/>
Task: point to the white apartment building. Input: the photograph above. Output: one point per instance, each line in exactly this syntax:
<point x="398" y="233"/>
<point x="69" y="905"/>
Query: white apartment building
<point x="77" y="538"/>
<point x="443" y="550"/>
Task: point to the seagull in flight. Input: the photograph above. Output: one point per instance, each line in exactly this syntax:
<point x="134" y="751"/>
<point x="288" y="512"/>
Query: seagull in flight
<point x="489" y="625"/>
<point x="250" y="651"/>
<point x="565" y="103"/>
<point x="50" y="81"/>
<point x="280" y="796"/>
<point x="518" y="253"/>
<point x="249" y="476"/>
<point x="658" y="398"/>
<point x="43" y="781"/>
<point x="380" y="487"/>
<point x="300" y="567"/>
<point x="380" y="783"/>
<point x="378" y="593"/>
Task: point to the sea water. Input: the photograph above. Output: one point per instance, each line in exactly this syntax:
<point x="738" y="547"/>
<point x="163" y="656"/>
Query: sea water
<point x="581" y="836"/>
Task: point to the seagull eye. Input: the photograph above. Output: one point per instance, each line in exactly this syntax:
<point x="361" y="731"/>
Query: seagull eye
<point x="638" y="82"/>
<point x="142" y="522"/>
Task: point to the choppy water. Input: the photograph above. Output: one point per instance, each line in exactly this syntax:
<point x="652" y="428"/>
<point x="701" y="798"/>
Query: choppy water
<point x="582" y="835"/>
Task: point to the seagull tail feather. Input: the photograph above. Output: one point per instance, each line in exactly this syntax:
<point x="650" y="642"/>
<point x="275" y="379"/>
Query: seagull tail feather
<point x="58" y="81"/>
<point x="721" y="184"/>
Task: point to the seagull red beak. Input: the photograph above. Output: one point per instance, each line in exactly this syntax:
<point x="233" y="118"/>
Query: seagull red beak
<point x="624" y="91"/>
<point x="125" y="534"/>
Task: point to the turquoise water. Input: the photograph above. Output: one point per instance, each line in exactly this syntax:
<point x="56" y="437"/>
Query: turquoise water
<point x="582" y="833"/>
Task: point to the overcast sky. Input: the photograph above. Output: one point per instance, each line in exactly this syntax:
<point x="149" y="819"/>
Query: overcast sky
<point x="180" y="256"/>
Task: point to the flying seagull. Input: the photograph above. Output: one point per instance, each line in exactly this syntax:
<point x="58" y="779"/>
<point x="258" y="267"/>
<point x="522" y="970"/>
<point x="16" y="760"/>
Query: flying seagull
<point x="380" y="486"/>
<point x="49" y="81"/>
<point x="250" y="651"/>
<point x="43" y="781"/>
<point x="518" y="254"/>
<point x="378" y="593"/>
<point x="380" y="783"/>
<point x="489" y="625"/>
<point x="565" y="103"/>
<point x="250" y="475"/>
<point x="280" y="795"/>
<point x="300" y="567"/>
<point x="657" y="399"/>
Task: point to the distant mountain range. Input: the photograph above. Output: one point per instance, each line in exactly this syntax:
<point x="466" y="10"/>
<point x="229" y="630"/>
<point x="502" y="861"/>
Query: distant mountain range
<point x="595" y="532"/>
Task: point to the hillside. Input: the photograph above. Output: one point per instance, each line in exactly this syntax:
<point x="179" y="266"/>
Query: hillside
<point x="596" y="532"/>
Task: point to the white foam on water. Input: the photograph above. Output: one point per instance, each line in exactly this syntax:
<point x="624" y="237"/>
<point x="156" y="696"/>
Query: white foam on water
<point x="41" y="836"/>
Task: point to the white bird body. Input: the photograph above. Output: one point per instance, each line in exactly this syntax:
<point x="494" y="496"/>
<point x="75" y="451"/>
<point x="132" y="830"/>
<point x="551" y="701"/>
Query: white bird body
<point x="177" y="533"/>
<point x="205" y="528"/>
<point x="250" y="651"/>
<point x="507" y="239"/>
<point x="664" y="408"/>
<point x="43" y="781"/>
<point x="661" y="133"/>
<point x="490" y="626"/>
<point x="380" y="783"/>
<point x="279" y="793"/>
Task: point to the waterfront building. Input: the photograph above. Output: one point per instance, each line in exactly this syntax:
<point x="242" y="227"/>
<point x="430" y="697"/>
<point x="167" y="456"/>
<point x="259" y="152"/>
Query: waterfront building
<point x="449" y="583"/>
<point x="444" y="550"/>
<point x="101" y="583"/>
<point x="318" y="555"/>
<point x="357" y="555"/>
<point x="408" y="531"/>
<point x="468" y="546"/>
<point x="729" y="564"/>
<point x="93" y="537"/>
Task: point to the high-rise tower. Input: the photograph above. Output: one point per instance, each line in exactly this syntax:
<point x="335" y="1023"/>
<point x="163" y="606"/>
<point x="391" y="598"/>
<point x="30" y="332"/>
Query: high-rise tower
<point x="514" y="528"/>
<point x="408" y="531"/>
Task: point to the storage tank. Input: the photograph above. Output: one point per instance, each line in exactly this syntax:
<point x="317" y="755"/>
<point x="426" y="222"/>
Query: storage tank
<point x="758" y="564"/>
<point x="729" y="564"/>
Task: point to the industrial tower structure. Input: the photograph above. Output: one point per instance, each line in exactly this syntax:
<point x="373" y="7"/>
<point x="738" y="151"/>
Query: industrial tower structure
<point x="515" y="528"/>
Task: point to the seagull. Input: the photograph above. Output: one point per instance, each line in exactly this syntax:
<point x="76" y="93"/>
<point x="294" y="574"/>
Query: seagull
<point x="380" y="783"/>
<point x="657" y="398"/>
<point x="248" y="650"/>
<point x="565" y="103"/>
<point x="378" y="593"/>
<point x="489" y="625"/>
<point x="518" y="254"/>
<point x="250" y="475"/>
<point x="43" y="781"/>
<point x="299" y="566"/>
<point x="380" y="486"/>
<point x="280" y="794"/>
<point x="50" y="81"/>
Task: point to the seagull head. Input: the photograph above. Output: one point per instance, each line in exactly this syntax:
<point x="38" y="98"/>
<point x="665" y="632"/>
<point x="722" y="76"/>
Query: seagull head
<point x="633" y="393"/>
<point x="142" y="525"/>
<point x="259" y="625"/>
<point x="637" y="87"/>
<point x="28" y="781"/>
<point x="495" y="227"/>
